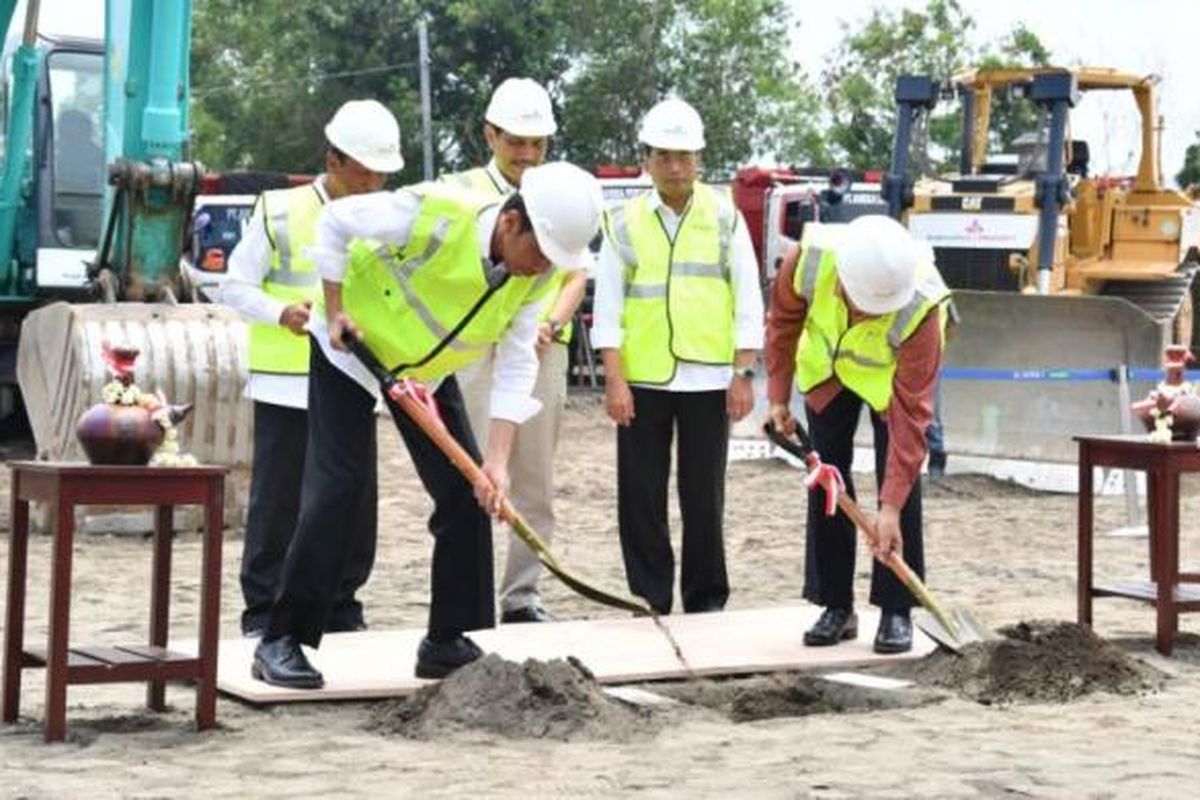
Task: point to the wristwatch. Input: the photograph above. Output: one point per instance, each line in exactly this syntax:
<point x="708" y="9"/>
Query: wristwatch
<point x="744" y="372"/>
<point x="555" y="328"/>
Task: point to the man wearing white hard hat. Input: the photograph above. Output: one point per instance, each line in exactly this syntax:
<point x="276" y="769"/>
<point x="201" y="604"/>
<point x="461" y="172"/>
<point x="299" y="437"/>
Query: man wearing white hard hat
<point x="858" y="317"/>
<point x="517" y="127"/>
<point x="678" y="321"/>
<point x="273" y="282"/>
<point x="430" y="278"/>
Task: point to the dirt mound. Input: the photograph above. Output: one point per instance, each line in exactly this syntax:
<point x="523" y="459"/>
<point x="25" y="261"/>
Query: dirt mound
<point x="1039" y="661"/>
<point x="535" y="700"/>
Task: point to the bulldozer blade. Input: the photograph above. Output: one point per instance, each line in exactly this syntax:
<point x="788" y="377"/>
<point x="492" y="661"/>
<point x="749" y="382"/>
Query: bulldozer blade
<point x="1023" y="370"/>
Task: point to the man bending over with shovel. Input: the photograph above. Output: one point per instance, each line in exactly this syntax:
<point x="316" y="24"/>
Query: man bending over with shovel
<point x="429" y="278"/>
<point x="857" y="316"/>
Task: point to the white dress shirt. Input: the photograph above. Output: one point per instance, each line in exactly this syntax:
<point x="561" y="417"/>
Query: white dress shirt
<point x="388" y="217"/>
<point x="242" y="291"/>
<point x="609" y="303"/>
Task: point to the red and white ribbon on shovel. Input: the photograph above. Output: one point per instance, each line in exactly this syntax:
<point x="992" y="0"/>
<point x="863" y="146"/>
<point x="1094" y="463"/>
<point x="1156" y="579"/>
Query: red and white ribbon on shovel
<point x="826" y="476"/>
<point x="419" y="394"/>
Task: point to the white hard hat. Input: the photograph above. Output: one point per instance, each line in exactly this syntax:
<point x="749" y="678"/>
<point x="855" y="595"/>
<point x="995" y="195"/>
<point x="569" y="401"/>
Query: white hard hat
<point x="564" y="204"/>
<point x="877" y="260"/>
<point x="522" y="107"/>
<point x="367" y="132"/>
<point x="672" y="125"/>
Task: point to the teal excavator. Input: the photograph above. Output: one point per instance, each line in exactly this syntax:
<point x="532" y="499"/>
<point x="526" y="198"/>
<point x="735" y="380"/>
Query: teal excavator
<point x="95" y="196"/>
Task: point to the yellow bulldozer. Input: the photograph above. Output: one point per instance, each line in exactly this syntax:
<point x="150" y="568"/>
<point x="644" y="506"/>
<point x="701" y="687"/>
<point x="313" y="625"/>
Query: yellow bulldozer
<point x="1067" y="282"/>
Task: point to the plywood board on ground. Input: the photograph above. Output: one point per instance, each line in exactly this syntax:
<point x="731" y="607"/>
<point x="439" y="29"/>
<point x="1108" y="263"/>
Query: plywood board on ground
<point x="376" y="663"/>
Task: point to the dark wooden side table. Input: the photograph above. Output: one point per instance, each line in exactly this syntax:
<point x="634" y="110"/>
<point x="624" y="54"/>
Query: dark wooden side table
<point x="64" y="486"/>
<point x="1163" y="463"/>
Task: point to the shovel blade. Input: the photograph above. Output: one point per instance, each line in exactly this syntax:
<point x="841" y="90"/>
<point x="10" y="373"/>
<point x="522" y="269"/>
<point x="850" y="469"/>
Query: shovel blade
<point x="965" y="628"/>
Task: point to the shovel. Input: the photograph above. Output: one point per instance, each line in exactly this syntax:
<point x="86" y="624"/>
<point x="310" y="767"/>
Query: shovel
<point x="420" y="407"/>
<point x="954" y="629"/>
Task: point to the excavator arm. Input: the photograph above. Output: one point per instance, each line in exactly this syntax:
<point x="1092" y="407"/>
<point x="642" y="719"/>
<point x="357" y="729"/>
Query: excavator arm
<point x="152" y="184"/>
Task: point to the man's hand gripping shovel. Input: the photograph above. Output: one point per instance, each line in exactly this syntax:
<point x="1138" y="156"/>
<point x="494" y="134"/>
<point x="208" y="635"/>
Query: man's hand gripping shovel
<point x="419" y="405"/>
<point x="954" y="629"/>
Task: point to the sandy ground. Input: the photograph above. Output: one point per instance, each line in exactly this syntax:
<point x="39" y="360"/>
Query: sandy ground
<point x="1007" y="553"/>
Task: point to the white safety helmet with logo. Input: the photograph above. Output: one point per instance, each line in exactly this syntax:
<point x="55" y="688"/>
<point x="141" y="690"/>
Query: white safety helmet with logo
<point x="367" y="132"/>
<point x="672" y="125"/>
<point x="521" y="107"/>
<point x="564" y="205"/>
<point x="877" y="260"/>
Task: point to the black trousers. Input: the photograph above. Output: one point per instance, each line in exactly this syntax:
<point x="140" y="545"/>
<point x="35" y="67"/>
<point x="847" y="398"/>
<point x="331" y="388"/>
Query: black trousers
<point x="831" y="542"/>
<point x="643" y="469"/>
<point x="280" y="440"/>
<point x="341" y="434"/>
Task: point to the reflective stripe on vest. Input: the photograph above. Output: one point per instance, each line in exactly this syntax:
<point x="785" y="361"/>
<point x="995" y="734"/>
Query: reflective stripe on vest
<point x="480" y="179"/>
<point x="432" y="306"/>
<point x="290" y="217"/>
<point x="862" y="355"/>
<point x="679" y="301"/>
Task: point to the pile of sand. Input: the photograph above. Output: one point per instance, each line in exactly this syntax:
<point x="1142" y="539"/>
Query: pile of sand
<point x="538" y="699"/>
<point x="1039" y="661"/>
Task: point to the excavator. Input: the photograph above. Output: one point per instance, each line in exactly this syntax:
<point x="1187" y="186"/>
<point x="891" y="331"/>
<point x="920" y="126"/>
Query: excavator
<point x="96" y="192"/>
<point x="1069" y="285"/>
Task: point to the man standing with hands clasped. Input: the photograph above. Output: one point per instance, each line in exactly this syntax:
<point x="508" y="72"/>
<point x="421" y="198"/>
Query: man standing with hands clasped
<point x="858" y="316"/>
<point x="678" y="322"/>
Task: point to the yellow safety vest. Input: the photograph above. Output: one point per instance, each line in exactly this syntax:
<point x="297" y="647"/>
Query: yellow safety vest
<point x="290" y="216"/>
<point x="431" y="307"/>
<point x="480" y="180"/>
<point x="679" y="299"/>
<point x="862" y="355"/>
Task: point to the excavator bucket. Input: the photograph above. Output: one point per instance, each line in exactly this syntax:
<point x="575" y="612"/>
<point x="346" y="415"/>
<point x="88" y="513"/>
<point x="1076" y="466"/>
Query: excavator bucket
<point x="194" y="353"/>
<point x="1023" y="372"/>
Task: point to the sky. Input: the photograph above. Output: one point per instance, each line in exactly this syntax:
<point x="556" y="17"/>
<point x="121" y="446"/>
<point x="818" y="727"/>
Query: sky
<point x="1140" y="36"/>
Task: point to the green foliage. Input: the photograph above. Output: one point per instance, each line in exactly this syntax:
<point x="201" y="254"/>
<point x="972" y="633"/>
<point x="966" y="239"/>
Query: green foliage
<point x="1189" y="175"/>
<point x="267" y="75"/>
<point x="861" y="77"/>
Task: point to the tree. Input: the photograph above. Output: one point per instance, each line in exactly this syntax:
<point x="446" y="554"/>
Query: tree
<point x="859" y="81"/>
<point x="267" y="75"/>
<point x="1189" y="175"/>
<point x="727" y="58"/>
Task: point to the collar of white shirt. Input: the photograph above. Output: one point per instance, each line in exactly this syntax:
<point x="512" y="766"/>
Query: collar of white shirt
<point x="657" y="204"/>
<point x="493" y="171"/>
<point x="319" y="185"/>
<point x="485" y="226"/>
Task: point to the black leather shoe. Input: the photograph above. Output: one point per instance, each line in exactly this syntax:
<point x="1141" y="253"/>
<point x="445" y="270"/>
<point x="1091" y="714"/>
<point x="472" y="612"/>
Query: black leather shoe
<point x="835" y="625"/>
<point x="894" y="634"/>
<point x="531" y="613"/>
<point x="439" y="659"/>
<point x="281" y="662"/>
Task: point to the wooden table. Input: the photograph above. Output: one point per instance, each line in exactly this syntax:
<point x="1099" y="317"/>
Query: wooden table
<point x="1163" y="463"/>
<point x="64" y="486"/>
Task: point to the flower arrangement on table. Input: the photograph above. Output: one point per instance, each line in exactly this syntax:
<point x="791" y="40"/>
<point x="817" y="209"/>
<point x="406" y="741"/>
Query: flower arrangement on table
<point x="130" y="426"/>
